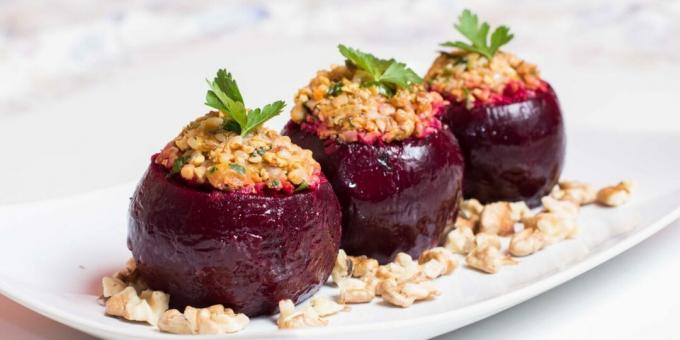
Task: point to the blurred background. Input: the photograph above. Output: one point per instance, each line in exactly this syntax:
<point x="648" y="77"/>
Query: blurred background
<point x="112" y="81"/>
<point x="90" y="89"/>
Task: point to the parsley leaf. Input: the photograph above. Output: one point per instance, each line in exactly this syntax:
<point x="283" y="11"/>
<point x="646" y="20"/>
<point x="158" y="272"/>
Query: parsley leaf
<point x="301" y="187"/>
<point x="225" y="96"/>
<point x="477" y="33"/>
<point x="334" y="89"/>
<point x="238" y="168"/>
<point x="259" y="116"/>
<point x="177" y="165"/>
<point x="387" y="75"/>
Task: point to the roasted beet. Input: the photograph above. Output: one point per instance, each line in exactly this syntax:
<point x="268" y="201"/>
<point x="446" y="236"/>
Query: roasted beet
<point x="513" y="151"/>
<point x="395" y="197"/>
<point x="246" y="251"/>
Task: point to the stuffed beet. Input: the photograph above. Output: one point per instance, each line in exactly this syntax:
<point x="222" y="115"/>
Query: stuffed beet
<point x="506" y="118"/>
<point x="376" y="132"/>
<point x="233" y="213"/>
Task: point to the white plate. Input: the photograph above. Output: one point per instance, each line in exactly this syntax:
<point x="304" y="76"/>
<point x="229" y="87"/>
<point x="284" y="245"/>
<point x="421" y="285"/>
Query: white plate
<point x="54" y="253"/>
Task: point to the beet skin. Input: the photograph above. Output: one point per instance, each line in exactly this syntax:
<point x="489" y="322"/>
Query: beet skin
<point x="245" y="251"/>
<point x="513" y="152"/>
<point x="395" y="197"/>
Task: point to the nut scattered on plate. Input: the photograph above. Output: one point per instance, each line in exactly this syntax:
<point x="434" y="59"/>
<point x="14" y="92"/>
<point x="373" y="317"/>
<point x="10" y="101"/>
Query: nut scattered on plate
<point x="476" y="236"/>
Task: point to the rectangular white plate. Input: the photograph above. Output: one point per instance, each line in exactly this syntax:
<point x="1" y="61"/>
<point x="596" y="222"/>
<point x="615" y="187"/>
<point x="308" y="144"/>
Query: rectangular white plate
<point x="54" y="253"/>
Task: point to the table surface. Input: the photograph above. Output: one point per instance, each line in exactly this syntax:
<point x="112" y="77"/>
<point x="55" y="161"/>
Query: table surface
<point x="74" y="79"/>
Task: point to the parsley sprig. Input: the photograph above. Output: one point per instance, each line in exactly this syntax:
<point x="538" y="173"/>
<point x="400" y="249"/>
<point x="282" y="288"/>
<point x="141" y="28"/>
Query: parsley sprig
<point x="387" y="75"/>
<point x="224" y="95"/>
<point x="469" y="26"/>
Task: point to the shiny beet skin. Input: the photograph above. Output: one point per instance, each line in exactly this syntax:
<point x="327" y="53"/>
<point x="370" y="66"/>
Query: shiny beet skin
<point x="395" y="197"/>
<point x="513" y="152"/>
<point x="244" y="251"/>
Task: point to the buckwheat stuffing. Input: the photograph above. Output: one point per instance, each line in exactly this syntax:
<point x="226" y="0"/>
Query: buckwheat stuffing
<point x="470" y="78"/>
<point x="207" y="152"/>
<point x="341" y="104"/>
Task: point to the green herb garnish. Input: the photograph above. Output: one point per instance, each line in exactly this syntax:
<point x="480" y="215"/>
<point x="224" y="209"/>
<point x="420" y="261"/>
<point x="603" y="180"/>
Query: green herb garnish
<point x="387" y="75"/>
<point x="238" y="168"/>
<point x="275" y="183"/>
<point x="301" y="187"/>
<point x="212" y="169"/>
<point x="469" y="26"/>
<point x="334" y="89"/>
<point x="177" y="165"/>
<point x="225" y="96"/>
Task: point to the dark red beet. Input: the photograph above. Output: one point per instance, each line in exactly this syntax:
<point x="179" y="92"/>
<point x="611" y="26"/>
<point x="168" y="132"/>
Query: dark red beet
<point x="245" y="251"/>
<point x="513" y="152"/>
<point x="395" y="197"/>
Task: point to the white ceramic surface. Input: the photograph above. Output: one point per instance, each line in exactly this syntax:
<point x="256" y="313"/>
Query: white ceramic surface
<point x="53" y="253"/>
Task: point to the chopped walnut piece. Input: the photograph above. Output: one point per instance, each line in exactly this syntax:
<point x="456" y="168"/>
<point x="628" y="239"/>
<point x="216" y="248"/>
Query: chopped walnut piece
<point x="406" y="294"/>
<point x="289" y="318"/>
<point x="327" y="307"/>
<point x="172" y="321"/>
<point x="403" y="269"/>
<point x="562" y="208"/>
<point x="363" y="266"/>
<point x="391" y="294"/>
<point x="460" y="241"/>
<point x="469" y="214"/>
<point x="440" y="255"/>
<point x="499" y="218"/>
<point x="486" y="256"/>
<point x="554" y="227"/>
<point x="354" y="291"/>
<point x="130" y="276"/>
<point x="342" y="268"/>
<point x="214" y="320"/>
<point x="526" y="242"/>
<point x="470" y="208"/>
<point x="614" y="196"/>
<point x="130" y="306"/>
<point x="112" y="286"/>
<point x="576" y="192"/>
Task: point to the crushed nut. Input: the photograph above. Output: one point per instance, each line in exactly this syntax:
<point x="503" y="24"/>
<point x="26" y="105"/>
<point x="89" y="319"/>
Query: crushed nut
<point x="554" y="227"/>
<point x="526" y="242"/>
<point x="499" y="218"/>
<point x="576" y="192"/>
<point x="112" y="286"/>
<point x="363" y="266"/>
<point x="327" y="307"/>
<point x="211" y="320"/>
<point x="614" y="196"/>
<point x="342" y="268"/>
<point x="148" y="307"/>
<point x="289" y="318"/>
<point x="486" y="256"/>
<point x="443" y="257"/>
<point x="172" y="321"/>
<point x="406" y="294"/>
<point x="354" y="291"/>
<point x="460" y="241"/>
<point x="403" y="269"/>
<point x="562" y="208"/>
<point x="469" y="214"/>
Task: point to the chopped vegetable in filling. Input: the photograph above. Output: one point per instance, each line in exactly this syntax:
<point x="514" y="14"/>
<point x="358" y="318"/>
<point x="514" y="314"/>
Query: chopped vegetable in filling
<point x="207" y="152"/>
<point x="367" y="100"/>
